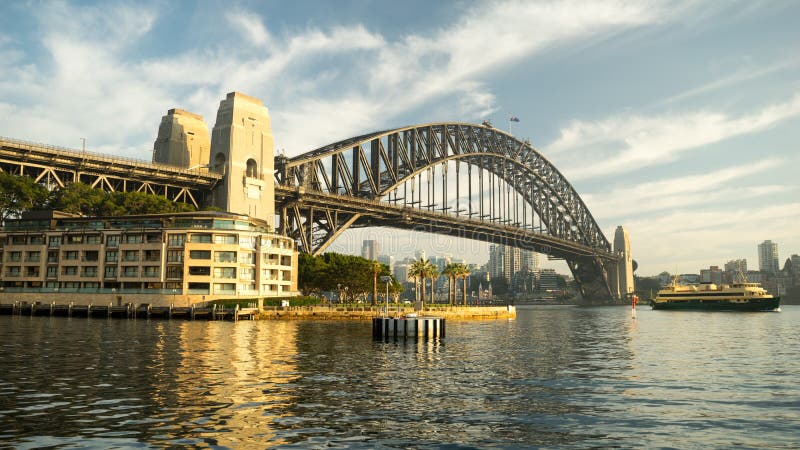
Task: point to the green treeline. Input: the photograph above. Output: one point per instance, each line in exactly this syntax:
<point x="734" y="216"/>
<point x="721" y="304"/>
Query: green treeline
<point x="20" y="194"/>
<point x="352" y="277"/>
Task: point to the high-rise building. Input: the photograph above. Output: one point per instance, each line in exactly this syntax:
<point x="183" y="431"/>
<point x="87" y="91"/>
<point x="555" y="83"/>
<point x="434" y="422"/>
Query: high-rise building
<point x="711" y="275"/>
<point x="768" y="259"/>
<point x="504" y="261"/>
<point x="420" y="254"/>
<point x="529" y="259"/>
<point x="621" y="275"/>
<point x="370" y="249"/>
<point x="388" y="260"/>
<point x="736" y="265"/>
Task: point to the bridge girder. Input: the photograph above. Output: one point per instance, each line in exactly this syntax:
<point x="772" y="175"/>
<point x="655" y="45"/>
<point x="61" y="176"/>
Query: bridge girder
<point x="377" y="180"/>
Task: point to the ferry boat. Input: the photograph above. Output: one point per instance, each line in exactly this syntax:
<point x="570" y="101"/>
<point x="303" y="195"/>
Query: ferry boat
<point x="739" y="296"/>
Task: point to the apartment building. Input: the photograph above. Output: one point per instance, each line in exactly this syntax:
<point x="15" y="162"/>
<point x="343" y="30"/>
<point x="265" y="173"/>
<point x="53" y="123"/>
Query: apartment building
<point x="161" y="259"/>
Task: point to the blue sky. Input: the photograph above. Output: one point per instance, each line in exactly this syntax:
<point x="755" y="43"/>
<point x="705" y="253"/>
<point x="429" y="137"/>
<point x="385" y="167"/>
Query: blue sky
<point x="678" y="120"/>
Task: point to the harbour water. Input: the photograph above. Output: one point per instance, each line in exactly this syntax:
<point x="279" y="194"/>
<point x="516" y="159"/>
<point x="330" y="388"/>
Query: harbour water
<point x="554" y="377"/>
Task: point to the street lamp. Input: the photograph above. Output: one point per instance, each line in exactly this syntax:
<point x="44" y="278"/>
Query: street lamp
<point x="387" y="279"/>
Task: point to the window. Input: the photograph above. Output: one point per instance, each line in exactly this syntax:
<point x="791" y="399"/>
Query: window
<point x="252" y="168"/>
<point x="112" y="240"/>
<point x="200" y="254"/>
<point x="111" y="256"/>
<point x="71" y="255"/>
<point x="151" y="271"/>
<point x="76" y="239"/>
<point x="130" y="255"/>
<point x="91" y="285"/>
<point x="152" y="255"/>
<point x="91" y="255"/>
<point x="130" y="271"/>
<point x="247" y="273"/>
<point x="32" y="271"/>
<point x="54" y="241"/>
<point x="224" y="288"/>
<point x="93" y="239"/>
<point x="153" y="238"/>
<point x="32" y="257"/>
<point x="52" y="272"/>
<point x="225" y="257"/>
<point x="200" y="238"/>
<point x="89" y="271"/>
<point x="219" y="163"/>
<point x="176" y="240"/>
<point x="52" y="257"/>
<point x="13" y="272"/>
<point x="37" y="240"/>
<point x="69" y="270"/>
<point x="224" y="272"/>
<point x="247" y="287"/>
<point x="111" y="272"/>
<point x="174" y="255"/>
<point x="175" y="272"/>
<point x="133" y="239"/>
<point x="18" y="240"/>
<point x="247" y="258"/>
<point x="247" y="242"/>
<point x="224" y="238"/>
<point x="286" y="260"/>
<point x="200" y="270"/>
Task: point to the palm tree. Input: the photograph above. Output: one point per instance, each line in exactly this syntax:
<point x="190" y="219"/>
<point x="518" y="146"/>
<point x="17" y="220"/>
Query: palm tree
<point x="421" y="270"/>
<point x="451" y="272"/>
<point x="376" y="270"/>
<point x="463" y="272"/>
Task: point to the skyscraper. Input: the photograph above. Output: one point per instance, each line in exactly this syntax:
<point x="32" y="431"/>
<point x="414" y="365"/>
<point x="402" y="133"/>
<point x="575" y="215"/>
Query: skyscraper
<point x="504" y="261"/>
<point x="370" y="249"/>
<point x="768" y="260"/>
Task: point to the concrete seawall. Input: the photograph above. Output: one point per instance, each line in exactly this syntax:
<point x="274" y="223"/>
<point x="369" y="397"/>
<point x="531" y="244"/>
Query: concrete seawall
<point x="367" y="313"/>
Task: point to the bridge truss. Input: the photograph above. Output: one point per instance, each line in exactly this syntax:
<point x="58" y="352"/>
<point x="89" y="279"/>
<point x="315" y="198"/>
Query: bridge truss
<point x="55" y="167"/>
<point x="459" y="179"/>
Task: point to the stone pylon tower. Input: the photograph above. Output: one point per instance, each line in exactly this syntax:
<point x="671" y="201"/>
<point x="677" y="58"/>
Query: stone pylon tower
<point x="242" y="149"/>
<point x="621" y="278"/>
<point x="182" y="140"/>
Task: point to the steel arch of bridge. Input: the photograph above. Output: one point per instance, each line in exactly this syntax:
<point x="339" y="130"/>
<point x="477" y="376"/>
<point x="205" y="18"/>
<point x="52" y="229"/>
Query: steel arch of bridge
<point x="390" y="178"/>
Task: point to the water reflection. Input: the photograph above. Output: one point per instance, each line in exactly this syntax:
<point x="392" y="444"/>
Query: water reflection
<point x="553" y="377"/>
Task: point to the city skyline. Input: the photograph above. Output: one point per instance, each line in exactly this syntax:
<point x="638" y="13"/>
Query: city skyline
<point x="678" y="121"/>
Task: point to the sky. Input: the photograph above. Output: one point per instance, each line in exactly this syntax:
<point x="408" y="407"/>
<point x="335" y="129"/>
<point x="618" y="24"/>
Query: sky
<point x="679" y="120"/>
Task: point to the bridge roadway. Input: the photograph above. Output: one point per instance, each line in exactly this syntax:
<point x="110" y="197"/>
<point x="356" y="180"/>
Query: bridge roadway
<point x="360" y="212"/>
<point x="57" y="166"/>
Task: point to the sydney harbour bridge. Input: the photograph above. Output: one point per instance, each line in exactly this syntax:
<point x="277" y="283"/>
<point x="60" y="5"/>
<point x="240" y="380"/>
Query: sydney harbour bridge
<point x="458" y="179"/>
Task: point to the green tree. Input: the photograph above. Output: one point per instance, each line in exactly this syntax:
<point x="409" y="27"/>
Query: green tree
<point x="462" y="271"/>
<point x="422" y="269"/>
<point x="19" y="194"/>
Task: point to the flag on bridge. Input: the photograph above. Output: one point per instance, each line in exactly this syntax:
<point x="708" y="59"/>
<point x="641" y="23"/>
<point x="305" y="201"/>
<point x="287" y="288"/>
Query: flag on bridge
<point x="514" y="119"/>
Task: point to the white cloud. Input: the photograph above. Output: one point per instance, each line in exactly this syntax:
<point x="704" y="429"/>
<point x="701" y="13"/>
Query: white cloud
<point x="685" y="240"/>
<point x="630" y="142"/>
<point x="708" y="188"/>
<point x="251" y="27"/>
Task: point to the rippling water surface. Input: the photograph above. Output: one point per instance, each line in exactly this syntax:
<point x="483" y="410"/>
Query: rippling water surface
<point x="554" y="377"/>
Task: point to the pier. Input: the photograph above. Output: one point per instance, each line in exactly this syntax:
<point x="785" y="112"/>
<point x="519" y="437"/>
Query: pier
<point x="129" y="311"/>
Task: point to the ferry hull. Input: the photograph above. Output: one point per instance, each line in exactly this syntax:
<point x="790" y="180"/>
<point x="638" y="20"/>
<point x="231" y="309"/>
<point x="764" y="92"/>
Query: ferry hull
<point x="761" y="304"/>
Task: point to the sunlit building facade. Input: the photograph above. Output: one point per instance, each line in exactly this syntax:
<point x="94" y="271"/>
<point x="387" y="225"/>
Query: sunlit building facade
<point x="181" y="259"/>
